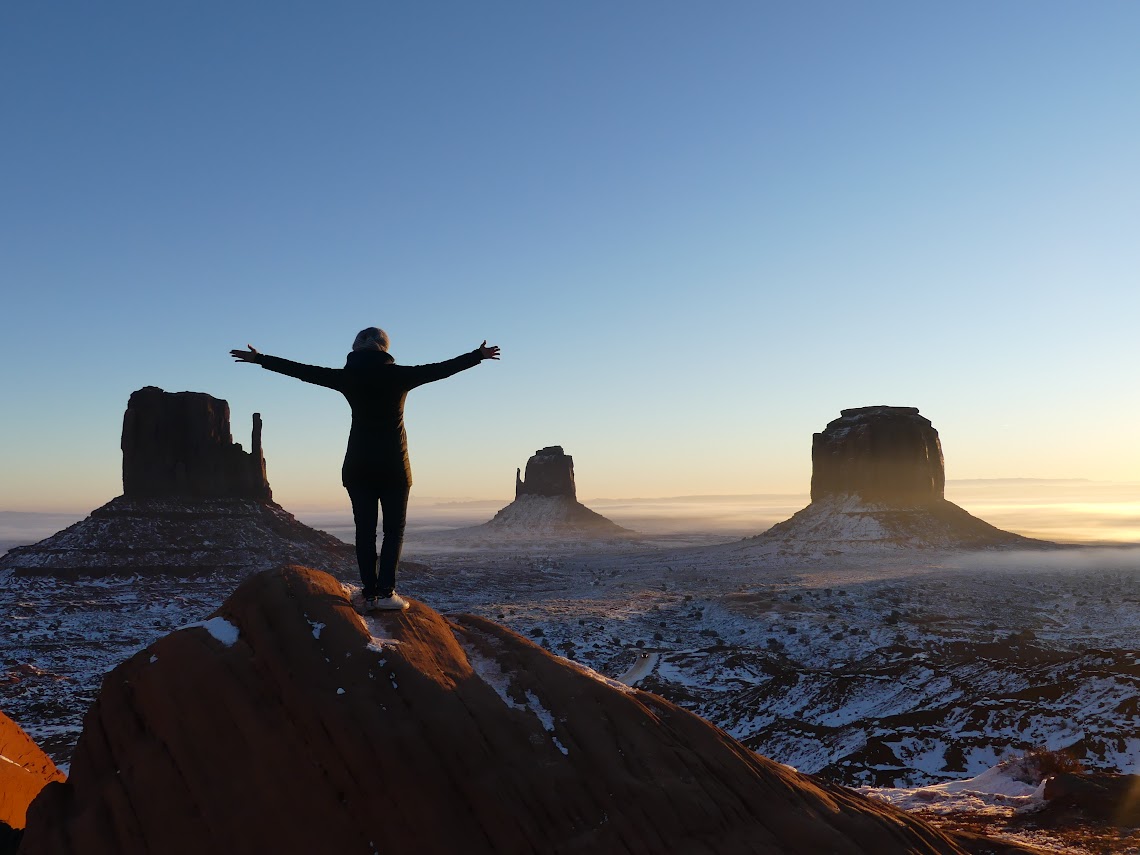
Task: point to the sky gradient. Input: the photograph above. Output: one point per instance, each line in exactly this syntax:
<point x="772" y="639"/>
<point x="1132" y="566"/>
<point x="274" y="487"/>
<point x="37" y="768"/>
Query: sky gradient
<point x="696" y="231"/>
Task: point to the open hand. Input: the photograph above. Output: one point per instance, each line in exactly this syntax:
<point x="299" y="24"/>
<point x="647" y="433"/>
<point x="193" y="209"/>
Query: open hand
<point x="485" y="352"/>
<point x="252" y="354"/>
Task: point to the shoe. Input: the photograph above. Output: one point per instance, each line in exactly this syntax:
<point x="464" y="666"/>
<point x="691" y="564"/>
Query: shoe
<point x="368" y="604"/>
<point x="391" y="603"/>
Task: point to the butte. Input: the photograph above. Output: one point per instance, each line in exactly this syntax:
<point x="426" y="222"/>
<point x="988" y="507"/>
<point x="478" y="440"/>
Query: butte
<point x="878" y="480"/>
<point x="194" y="504"/>
<point x="545" y="511"/>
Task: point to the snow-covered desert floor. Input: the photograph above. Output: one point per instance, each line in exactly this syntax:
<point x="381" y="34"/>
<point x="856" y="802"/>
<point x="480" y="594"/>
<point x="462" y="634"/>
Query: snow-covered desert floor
<point x="905" y="672"/>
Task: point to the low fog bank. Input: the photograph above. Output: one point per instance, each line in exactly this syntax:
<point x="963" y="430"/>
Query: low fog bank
<point x="1069" y="511"/>
<point x="1065" y="511"/>
<point x="1124" y="559"/>
<point x="725" y="515"/>
<point x="728" y="516"/>
<point x="18" y="528"/>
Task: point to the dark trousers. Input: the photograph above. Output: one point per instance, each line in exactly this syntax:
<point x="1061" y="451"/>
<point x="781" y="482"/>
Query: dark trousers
<point x="379" y="576"/>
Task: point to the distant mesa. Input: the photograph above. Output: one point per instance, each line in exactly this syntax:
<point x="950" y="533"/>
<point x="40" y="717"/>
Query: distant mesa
<point x="883" y="454"/>
<point x="549" y="473"/>
<point x="878" y="479"/>
<point x="177" y="445"/>
<point x="193" y="503"/>
<point x="238" y="735"/>
<point x="546" y="502"/>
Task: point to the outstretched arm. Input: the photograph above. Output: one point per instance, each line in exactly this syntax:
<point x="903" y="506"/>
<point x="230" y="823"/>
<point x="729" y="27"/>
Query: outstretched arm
<point x="417" y="375"/>
<point x="329" y="377"/>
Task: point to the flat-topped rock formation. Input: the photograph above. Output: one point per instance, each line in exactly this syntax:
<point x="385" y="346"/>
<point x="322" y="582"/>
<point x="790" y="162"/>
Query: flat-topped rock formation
<point x="882" y="454"/>
<point x="194" y="503"/>
<point x="546" y="503"/>
<point x="550" y="472"/>
<point x="878" y="480"/>
<point x="178" y="445"/>
<point x="287" y="723"/>
<point x="546" y="513"/>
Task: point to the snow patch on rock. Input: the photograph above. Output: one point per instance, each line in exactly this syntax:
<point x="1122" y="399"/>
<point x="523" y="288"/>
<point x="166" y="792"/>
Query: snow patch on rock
<point x="489" y="671"/>
<point x="219" y="627"/>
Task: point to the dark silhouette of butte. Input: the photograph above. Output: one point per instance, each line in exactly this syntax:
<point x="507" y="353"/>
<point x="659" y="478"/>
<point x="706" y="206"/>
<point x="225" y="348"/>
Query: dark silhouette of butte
<point x="193" y="503"/>
<point x="550" y="472"/>
<point x="878" y="479"/>
<point x="546" y="502"/>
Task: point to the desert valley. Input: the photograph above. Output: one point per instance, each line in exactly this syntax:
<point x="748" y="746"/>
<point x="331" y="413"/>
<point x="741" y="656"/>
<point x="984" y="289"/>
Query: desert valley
<point x="881" y="639"/>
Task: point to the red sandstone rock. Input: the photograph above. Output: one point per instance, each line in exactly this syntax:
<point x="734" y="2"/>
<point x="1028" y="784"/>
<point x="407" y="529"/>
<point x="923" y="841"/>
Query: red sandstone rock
<point x="289" y="724"/>
<point x="24" y="771"/>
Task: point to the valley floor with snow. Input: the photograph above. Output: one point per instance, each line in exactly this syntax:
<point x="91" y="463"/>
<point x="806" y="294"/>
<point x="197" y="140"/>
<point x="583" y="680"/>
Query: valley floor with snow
<point x="908" y="673"/>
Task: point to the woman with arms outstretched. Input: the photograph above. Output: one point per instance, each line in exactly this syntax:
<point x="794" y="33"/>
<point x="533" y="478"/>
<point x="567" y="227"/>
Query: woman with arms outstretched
<point x="376" y="471"/>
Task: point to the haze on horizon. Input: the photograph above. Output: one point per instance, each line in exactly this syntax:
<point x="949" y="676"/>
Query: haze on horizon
<point x="697" y="237"/>
<point x="1074" y="511"/>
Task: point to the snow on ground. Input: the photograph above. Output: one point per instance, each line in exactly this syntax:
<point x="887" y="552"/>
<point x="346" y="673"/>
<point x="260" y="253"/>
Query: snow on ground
<point x="877" y="668"/>
<point x="908" y="670"/>
<point x="641" y="668"/>
<point x="999" y="791"/>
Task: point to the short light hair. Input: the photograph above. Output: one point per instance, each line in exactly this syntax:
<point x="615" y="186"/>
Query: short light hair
<point x="372" y="338"/>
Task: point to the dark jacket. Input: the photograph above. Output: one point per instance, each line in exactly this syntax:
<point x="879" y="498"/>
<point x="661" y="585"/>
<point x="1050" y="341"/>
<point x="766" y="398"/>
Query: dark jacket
<point x="375" y="387"/>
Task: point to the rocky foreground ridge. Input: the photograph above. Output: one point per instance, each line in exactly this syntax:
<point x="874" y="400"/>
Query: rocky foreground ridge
<point x="24" y="771"/>
<point x="878" y="480"/>
<point x="288" y="723"/>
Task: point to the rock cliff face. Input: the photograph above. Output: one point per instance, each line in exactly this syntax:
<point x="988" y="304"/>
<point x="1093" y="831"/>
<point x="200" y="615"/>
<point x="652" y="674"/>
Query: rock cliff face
<point x="178" y="445"/>
<point x="549" y="473"/>
<point x="24" y="771"/>
<point x="194" y="503"/>
<point x="287" y="723"/>
<point x="546" y="504"/>
<point x="878" y="480"/>
<point x="887" y="454"/>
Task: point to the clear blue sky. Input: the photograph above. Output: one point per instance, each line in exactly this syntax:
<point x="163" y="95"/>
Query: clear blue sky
<point x="697" y="231"/>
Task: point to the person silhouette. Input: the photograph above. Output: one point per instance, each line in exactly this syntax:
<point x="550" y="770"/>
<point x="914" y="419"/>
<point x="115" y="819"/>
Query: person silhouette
<point x="377" y="472"/>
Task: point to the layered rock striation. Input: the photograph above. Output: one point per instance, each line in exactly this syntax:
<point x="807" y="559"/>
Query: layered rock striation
<point x="879" y="480"/>
<point x="287" y="723"/>
<point x="194" y="503"/>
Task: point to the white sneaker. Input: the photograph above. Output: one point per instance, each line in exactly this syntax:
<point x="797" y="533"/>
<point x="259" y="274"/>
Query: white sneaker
<point x="394" y="603"/>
